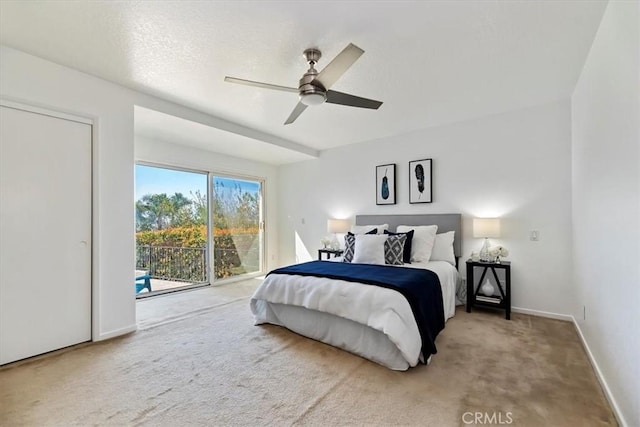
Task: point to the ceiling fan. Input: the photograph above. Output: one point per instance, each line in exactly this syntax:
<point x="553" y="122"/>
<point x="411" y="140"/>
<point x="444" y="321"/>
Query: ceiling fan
<point x="314" y="86"/>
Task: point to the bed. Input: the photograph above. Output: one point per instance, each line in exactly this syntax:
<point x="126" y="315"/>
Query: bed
<point x="375" y="322"/>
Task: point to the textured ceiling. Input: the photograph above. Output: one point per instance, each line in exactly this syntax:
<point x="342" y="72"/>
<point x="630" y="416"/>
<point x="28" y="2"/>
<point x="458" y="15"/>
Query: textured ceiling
<point x="431" y="62"/>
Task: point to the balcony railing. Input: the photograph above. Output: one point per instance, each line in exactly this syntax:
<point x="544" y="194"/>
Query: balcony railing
<point x="185" y="264"/>
<point x="173" y="263"/>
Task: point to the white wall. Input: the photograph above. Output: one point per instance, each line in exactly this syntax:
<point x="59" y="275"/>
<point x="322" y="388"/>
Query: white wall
<point x="164" y="153"/>
<point x="39" y="82"/>
<point x="606" y="204"/>
<point x="514" y="165"/>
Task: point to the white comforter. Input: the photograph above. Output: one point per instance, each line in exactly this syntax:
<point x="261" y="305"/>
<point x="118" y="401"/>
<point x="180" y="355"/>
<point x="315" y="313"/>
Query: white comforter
<point x="382" y="309"/>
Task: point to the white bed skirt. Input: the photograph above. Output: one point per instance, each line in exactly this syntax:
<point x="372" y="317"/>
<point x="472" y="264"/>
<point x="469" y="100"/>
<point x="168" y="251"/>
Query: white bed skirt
<point x="339" y="332"/>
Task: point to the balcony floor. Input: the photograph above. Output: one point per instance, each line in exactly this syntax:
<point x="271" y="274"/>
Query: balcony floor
<point x="163" y="285"/>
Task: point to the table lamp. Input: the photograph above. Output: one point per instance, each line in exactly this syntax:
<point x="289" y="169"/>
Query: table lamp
<point x="485" y="228"/>
<point x="335" y="226"/>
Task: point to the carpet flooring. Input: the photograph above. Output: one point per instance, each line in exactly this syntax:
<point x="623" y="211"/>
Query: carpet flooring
<point x="211" y="366"/>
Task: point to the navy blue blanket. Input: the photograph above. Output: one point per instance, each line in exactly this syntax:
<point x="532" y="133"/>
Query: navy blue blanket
<point x="420" y="287"/>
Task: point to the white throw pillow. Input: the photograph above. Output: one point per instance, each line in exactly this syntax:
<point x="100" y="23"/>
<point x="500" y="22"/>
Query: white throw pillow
<point x="369" y="249"/>
<point x="362" y="229"/>
<point x="423" y="238"/>
<point x="443" y="248"/>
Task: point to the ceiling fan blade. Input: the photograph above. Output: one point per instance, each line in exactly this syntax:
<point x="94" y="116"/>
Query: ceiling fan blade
<point x="295" y="113"/>
<point x="334" y="97"/>
<point x="339" y="65"/>
<point x="260" y="84"/>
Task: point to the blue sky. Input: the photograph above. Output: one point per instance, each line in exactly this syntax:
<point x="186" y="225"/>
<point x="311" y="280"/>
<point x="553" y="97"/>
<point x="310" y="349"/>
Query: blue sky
<point x="154" y="180"/>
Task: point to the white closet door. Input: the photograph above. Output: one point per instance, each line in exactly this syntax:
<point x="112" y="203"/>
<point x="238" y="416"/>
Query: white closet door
<point x="45" y="233"/>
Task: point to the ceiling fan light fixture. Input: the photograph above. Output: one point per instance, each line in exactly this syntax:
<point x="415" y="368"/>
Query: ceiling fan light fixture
<point x="310" y="99"/>
<point x="314" y="87"/>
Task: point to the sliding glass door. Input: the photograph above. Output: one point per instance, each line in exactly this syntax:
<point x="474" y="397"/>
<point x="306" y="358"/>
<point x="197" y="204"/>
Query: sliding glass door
<point x="195" y="228"/>
<point x="237" y="226"/>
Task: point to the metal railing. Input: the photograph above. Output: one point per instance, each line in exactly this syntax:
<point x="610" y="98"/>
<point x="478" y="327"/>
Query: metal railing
<point x="173" y="263"/>
<point x="186" y="264"/>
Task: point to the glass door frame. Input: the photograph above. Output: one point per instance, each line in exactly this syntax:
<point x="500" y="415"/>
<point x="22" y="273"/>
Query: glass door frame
<point x="261" y="228"/>
<point x="208" y="251"/>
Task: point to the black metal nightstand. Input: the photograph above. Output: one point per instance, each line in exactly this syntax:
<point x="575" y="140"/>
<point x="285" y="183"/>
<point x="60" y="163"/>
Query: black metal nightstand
<point x="329" y="252"/>
<point x="501" y="301"/>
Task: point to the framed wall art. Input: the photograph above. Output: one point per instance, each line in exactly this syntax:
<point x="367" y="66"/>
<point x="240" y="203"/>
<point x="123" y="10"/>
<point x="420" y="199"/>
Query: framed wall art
<point x="386" y="184"/>
<point x="420" y="181"/>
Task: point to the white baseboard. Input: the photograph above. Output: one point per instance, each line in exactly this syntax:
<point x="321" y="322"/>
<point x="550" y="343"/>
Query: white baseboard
<point x="603" y="383"/>
<point x="116" y="333"/>
<point x="565" y="317"/>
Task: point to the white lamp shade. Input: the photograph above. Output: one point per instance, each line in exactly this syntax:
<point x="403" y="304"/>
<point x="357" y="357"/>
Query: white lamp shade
<point x="486" y="227"/>
<point x="338" y="225"/>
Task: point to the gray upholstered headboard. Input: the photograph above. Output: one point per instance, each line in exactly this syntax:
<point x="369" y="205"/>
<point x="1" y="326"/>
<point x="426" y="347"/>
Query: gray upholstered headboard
<point x="445" y="222"/>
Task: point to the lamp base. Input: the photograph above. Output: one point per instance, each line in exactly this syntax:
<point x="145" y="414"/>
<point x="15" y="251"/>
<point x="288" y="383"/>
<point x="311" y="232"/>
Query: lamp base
<point x="484" y="252"/>
<point x="335" y="244"/>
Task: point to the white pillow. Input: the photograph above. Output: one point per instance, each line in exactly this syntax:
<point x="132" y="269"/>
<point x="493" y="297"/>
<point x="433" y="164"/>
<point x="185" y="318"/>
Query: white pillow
<point x="362" y="229"/>
<point x="369" y="249"/>
<point x="423" y="238"/>
<point x="443" y="248"/>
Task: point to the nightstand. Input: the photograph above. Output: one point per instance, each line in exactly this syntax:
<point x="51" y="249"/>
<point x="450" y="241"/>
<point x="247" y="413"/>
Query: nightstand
<point x="329" y="253"/>
<point x="501" y="300"/>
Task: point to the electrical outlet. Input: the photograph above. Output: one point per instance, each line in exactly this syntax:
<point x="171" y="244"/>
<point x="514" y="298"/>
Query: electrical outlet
<point x="534" y="235"/>
<point x="584" y="312"/>
<point x="302" y="221"/>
